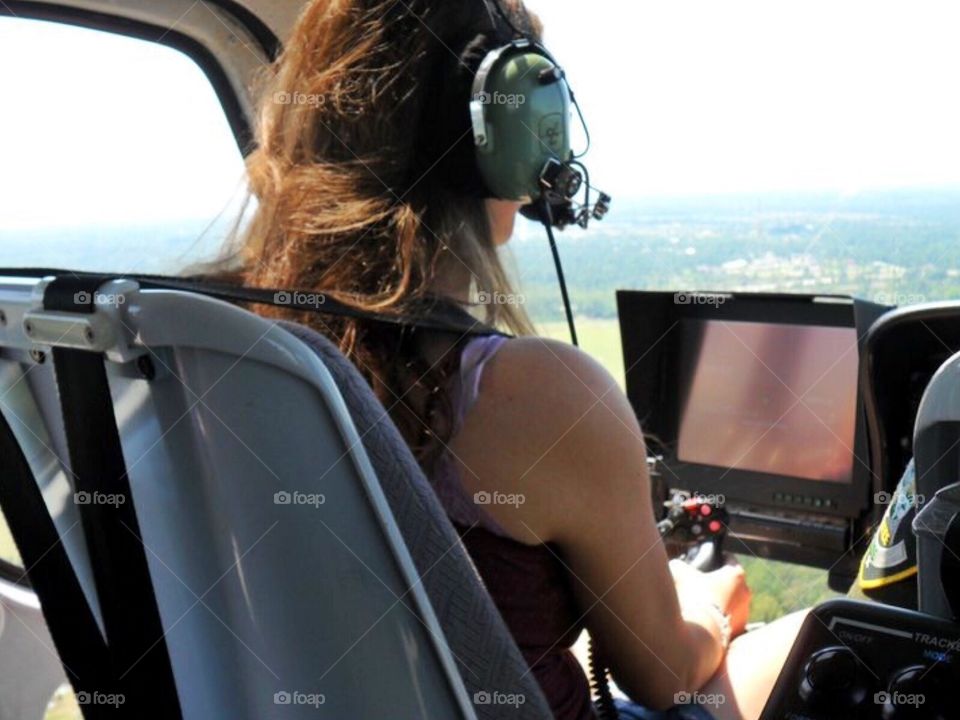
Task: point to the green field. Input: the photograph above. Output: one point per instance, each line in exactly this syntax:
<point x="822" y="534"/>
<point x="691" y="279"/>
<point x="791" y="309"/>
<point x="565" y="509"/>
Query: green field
<point x="8" y="550"/>
<point x="63" y="706"/>
<point x="600" y="338"/>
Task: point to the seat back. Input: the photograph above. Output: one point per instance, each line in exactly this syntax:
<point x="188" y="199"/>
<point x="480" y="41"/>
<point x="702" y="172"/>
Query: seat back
<point x="300" y="563"/>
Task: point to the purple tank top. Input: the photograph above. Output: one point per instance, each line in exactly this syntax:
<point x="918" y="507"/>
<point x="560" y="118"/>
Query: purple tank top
<point x="528" y="583"/>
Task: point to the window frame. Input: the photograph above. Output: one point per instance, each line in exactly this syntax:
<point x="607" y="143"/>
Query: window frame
<point x="210" y="65"/>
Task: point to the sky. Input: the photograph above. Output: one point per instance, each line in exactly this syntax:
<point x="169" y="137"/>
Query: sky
<point x="682" y="96"/>
<point x="96" y="126"/>
<point x="747" y="95"/>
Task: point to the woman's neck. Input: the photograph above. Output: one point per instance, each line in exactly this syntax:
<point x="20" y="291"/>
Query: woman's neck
<point x="453" y="280"/>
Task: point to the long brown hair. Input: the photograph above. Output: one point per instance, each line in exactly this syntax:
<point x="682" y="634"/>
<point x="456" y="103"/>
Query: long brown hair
<point x="366" y="190"/>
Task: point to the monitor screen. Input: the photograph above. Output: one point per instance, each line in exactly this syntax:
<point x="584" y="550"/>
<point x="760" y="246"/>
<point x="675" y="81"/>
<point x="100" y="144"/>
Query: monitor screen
<point x="771" y="398"/>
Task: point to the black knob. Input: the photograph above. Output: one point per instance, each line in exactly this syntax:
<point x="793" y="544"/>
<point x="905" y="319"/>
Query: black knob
<point x="832" y="678"/>
<point x="918" y="691"/>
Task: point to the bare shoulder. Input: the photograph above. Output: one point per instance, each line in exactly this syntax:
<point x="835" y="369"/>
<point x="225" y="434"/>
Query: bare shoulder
<point x="560" y="425"/>
<point x="557" y="396"/>
<point x="545" y="372"/>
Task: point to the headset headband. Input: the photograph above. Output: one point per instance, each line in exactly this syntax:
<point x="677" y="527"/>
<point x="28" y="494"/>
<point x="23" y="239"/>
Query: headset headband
<point x="493" y="57"/>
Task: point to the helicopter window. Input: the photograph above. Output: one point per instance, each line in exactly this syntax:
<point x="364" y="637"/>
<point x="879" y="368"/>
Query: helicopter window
<point x="117" y="154"/>
<point x="754" y="146"/>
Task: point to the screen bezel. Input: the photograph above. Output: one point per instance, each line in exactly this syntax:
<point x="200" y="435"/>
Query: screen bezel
<point x="651" y="334"/>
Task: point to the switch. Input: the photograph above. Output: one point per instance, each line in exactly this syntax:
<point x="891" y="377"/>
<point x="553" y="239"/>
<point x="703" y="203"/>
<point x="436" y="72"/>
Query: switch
<point x="916" y="692"/>
<point x="832" y="678"/>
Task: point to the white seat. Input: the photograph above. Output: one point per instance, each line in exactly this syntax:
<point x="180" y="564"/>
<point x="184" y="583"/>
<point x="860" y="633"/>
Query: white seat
<point x="284" y="583"/>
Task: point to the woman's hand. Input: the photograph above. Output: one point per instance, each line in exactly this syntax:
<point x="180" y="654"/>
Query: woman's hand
<point x="729" y="586"/>
<point x="726" y="588"/>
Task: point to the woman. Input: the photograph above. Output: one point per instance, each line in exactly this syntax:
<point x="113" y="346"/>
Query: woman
<point x="367" y="190"/>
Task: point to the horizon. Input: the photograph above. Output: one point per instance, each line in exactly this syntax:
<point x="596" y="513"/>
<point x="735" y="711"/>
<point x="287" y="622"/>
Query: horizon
<point x="225" y="219"/>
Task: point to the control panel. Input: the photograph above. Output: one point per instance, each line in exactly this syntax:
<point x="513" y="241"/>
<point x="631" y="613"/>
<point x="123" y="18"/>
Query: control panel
<point x="854" y="660"/>
<point x="714" y="379"/>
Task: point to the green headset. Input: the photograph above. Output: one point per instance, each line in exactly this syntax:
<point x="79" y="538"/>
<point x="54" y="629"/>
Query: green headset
<point x="521" y="111"/>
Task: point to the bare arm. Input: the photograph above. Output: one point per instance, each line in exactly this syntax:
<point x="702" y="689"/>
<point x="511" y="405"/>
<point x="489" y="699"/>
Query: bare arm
<point x="566" y="438"/>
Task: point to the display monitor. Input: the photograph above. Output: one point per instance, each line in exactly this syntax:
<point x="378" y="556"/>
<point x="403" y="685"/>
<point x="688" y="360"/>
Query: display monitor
<point x="756" y="398"/>
<point x="771" y="398"/>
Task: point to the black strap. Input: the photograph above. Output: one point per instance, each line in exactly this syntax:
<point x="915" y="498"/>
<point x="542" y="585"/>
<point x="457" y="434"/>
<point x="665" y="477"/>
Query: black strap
<point x="135" y="637"/>
<point x="431" y="313"/>
<point x="69" y="619"/>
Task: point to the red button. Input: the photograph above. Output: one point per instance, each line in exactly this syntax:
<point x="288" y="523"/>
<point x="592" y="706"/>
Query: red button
<point x="705" y="510"/>
<point x="715" y="526"/>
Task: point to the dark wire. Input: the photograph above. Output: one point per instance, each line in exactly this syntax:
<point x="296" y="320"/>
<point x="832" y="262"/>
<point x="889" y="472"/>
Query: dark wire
<point x="606" y="709"/>
<point x="547" y="214"/>
<point x="598" y="669"/>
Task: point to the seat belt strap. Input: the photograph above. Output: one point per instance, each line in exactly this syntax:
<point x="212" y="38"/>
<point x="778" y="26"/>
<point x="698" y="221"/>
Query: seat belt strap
<point x="68" y="615"/>
<point x="431" y="313"/>
<point x="135" y="636"/>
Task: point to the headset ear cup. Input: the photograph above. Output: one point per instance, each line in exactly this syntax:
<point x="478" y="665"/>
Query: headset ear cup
<point x="520" y="112"/>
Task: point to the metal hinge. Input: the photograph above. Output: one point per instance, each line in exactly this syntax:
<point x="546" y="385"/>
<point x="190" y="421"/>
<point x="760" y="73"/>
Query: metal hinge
<point x="106" y="330"/>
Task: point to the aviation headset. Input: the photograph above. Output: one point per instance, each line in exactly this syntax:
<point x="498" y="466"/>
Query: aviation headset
<point x="521" y="116"/>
